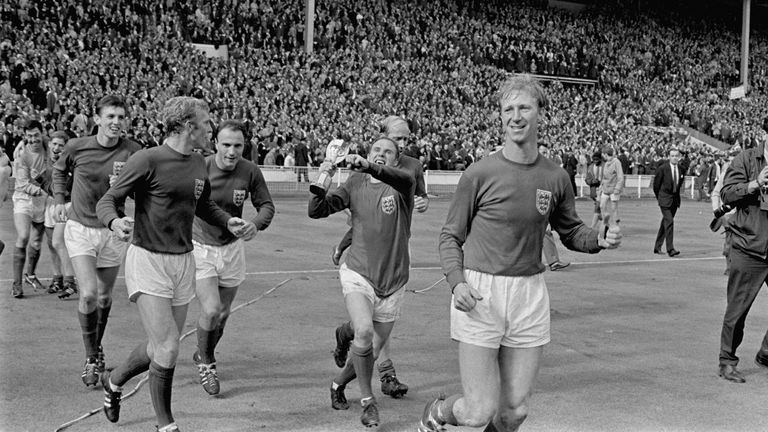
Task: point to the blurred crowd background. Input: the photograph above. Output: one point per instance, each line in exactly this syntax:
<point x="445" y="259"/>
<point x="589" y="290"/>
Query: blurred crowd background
<point x="437" y="63"/>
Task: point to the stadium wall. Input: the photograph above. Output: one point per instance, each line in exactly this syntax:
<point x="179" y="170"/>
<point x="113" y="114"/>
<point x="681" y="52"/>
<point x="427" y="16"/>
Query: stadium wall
<point x="282" y="181"/>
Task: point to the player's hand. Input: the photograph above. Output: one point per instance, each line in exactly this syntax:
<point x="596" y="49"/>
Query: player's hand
<point x="123" y="227"/>
<point x="421" y="204"/>
<point x="60" y="213"/>
<point x="610" y="234"/>
<point x="236" y="225"/>
<point x="465" y="297"/>
<point x="326" y="166"/>
<point x="357" y="162"/>
<point x="248" y="231"/>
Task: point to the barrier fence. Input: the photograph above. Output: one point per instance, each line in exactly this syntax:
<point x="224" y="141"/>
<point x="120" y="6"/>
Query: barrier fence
<point x="292" y="180"/>
<point x="284" y="180"/>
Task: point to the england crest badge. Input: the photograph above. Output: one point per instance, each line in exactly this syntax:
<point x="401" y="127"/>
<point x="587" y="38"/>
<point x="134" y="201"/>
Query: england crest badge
<point x="238" y="196"/>
<point x="543" y="199"/>
<point x="199" y="186"/>
<point x="388" y="204"/>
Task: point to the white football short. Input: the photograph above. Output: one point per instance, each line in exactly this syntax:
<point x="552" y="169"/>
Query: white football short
<point x="32" y="206"/>
<point x="384" y="309"/>
<point x="96" y="242"/>
<point x="226" y="263"/>
<point x="163" y="275"/>
<point x="514" y="312"/>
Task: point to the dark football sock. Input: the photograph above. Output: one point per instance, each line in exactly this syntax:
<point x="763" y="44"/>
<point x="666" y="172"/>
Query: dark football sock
<point x="89" y="327"/>
<point x="136" y="363"/>
<point x="33" y="256"/>
<point x="160" y="388"/>
<point x="103" y="317"/>
<point x="206" y="342"/>
<point x="347" y="375"/>
<point x="362" y="360"/>
<point x="19" y="256"/>
<point x="386" y="368"/>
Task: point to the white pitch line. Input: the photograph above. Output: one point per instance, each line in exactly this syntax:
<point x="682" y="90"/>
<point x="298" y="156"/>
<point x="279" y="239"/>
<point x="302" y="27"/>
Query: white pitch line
<point x="574" y="263"/>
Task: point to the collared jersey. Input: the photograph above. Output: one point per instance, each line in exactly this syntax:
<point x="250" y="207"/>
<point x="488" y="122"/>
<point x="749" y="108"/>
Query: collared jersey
<point x="381" y="224"/>
<point x="169" y="189"/>
<point x="498" y="217"/>
<point x="230" y="190"/>
<point x="90" y="164"/>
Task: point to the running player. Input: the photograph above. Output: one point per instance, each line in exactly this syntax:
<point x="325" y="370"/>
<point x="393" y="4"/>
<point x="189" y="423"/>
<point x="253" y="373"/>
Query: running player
<point x="219" y="255"/>
<point x="380" y="198"/>
<point x="63" y="274"/>
<point x="490" y="249"/>
<point x="170" y="186"/>
<point x="93" y="162"/>
<point x="395" y="128"/>
<point x="30" y="164"/>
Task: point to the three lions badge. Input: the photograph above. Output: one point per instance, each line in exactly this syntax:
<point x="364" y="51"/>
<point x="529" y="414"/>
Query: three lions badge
<point x="238" y="196"/>
<point x="199" y="186"/>
<point x="388" y="204"/>
<point x="542" y="201"/>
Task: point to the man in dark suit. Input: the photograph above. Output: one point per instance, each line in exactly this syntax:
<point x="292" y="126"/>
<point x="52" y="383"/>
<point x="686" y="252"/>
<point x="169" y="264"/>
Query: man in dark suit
<point x="666" y="186"/>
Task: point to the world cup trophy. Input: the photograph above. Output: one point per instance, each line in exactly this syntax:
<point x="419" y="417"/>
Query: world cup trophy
<point x="336" y="151"/>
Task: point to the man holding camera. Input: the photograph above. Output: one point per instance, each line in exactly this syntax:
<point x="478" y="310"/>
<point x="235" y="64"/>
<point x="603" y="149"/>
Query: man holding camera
<point x="745" y="187"/>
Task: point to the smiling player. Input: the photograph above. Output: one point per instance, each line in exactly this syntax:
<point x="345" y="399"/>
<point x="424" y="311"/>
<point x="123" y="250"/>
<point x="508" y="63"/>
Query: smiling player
<point x="96" y="254"/>
<point x="219" y="255"/>
<point x="380" y="198"/>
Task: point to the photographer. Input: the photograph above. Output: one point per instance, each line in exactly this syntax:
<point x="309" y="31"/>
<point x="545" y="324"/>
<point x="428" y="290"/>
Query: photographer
<point x="723" y="212"/>
<point x="746" y="188"/>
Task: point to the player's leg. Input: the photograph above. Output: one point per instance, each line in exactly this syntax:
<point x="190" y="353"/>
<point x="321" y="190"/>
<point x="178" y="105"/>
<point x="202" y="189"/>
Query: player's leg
<point x="57" y="280"/>
<point x="227" y="295"/>
<point x="360" y="309"/>
<point x="36" y="233"/>
<point x="85" y="269"/>
<point x="207" y="291"/>
<point x="518" y="369"/>
<point x="478" y="403"/>
<point x="162" y="322"/>
<point x="106" y="281"/>
<point x="23" y="224"/>
<point x="59" y="245"/>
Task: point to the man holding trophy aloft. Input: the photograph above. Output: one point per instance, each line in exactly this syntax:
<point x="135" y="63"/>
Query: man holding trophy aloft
<point x="380" y="198"/>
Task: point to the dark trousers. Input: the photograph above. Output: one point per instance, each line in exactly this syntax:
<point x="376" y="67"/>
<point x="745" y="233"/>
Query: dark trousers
<point x="666" y="229"/>
<point x="299" y="171"/>
<point x="745" y="279"/>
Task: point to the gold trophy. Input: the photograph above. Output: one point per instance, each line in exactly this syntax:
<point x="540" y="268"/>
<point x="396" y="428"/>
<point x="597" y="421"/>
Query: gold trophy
<point x="336" y="151"/>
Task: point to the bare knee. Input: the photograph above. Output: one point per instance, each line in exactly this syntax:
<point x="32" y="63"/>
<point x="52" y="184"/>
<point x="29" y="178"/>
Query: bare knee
<point x="511" y="417"/>
<point x="211" y="313"/>
<point x="364" y="334"/>
<point x="88" y="299"/>
<point x="476" y="413"/>
<point x="104" y="300"/>
<point x="165" y="352"/>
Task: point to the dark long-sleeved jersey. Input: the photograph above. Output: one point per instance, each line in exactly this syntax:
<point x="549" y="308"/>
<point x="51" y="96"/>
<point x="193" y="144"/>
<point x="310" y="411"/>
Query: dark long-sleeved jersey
<point x="229" y="190"/>
<point x="498" y="216"/>
<point x="381" y="224"/>
<point x="90" y="165"/>
<point x="169" y="188"/>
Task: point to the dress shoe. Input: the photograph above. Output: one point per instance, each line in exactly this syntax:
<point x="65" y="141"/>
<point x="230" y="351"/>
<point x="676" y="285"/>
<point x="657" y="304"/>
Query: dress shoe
<point x="762" y="360"/>
<point x="558" y="265"/>
<point x="729" y="372"/>
<point x="673" y="253"/>
<point x="658" y="252"/>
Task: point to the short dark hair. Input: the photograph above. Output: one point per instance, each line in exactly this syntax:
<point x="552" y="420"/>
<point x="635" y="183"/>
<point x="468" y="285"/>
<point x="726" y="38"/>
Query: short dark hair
<point x="33" y="124"/>
<point x="60" y="134"/>
<point x="113" y="100"/>
<point x="234" y="125"/>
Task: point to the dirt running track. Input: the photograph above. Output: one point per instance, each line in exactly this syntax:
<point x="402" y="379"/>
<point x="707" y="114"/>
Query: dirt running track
<point x="635" y="339"/>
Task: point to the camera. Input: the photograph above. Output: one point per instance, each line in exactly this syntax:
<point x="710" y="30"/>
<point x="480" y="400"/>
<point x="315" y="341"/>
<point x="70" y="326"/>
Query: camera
<point x="717" y="221"/>
<point x="722" y="210"/>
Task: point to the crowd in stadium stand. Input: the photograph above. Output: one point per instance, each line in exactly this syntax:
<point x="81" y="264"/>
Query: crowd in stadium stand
<point x="436" y="63"/>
